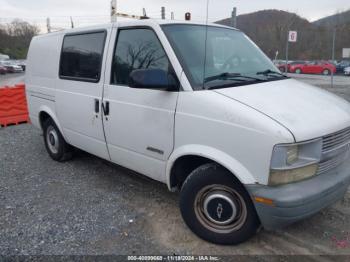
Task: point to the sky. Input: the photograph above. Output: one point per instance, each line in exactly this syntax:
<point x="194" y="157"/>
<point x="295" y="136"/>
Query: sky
<point x="88" y="12"/>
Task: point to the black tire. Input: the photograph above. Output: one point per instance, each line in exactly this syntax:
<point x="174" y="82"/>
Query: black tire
<point x="55" y="144"/>
<point x="213" y="177"/>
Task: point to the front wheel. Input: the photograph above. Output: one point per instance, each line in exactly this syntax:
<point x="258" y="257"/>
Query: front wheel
<point x="298" y="71"/>
<point x="216" y="207"/>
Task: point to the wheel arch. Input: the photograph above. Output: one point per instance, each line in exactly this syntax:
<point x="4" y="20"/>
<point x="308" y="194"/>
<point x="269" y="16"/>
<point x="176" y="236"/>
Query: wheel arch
<point x="298" y="68"/>
<point x="196" y="155"/>
<point x="46" y="112"/>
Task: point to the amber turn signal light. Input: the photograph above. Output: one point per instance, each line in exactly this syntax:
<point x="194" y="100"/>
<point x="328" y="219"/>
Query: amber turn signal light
<point x="265" y="201"/>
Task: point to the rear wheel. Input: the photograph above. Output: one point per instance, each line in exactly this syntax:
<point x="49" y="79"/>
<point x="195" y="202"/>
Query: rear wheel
<point x="298" y="71"/>
<point x="326" y="72"/>
<point x="55" y="144"/>
<point x="216" y="207"/>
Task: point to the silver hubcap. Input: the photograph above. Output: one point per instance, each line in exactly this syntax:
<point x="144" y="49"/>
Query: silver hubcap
<point x="52" y="140"/>
<point x="325" y="72"/>
<point x="220" y="209"/>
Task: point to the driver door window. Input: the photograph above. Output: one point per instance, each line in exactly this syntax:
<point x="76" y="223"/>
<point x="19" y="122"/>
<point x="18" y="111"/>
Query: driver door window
<point x="137" y="49"/>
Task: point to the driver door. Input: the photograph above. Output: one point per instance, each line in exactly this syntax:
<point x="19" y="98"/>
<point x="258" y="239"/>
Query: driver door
<point x="312" y="68"/>
<point x="138" y="123"/>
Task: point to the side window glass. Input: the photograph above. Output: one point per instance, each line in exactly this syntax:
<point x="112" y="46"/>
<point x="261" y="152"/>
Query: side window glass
<point x="137" y="49"/>
<point x="81" y="56"/>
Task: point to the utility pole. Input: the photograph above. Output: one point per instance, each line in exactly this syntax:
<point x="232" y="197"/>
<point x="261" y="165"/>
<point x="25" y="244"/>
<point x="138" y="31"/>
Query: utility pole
<point x="292" y="20"/>
<point x="113" y="11"/>
<point x="48" y="25"/>
<point x="163" y="12"/>
<point x="172" y="16"/>
<point x="71" y="22"/>
<point x="144" y="14"/>
<point x="234" y="17"/>
<point x="333" y="54"/>
<point x="276" y="55"/>
<point x="287" y="50"/>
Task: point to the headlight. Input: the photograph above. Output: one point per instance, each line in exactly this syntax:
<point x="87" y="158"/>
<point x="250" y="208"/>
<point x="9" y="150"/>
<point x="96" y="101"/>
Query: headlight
<point x="294" y="162"/>
<point x="292" y="154"/>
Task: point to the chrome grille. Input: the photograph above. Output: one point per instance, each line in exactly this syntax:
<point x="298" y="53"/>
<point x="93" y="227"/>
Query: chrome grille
<point x="331" y="163"/>
<point x="335" y="150"/>
<point x="336" y="140"/>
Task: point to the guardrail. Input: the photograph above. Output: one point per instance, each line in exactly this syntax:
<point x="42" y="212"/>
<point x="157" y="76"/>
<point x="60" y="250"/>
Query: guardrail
<point x="13" y="105"/>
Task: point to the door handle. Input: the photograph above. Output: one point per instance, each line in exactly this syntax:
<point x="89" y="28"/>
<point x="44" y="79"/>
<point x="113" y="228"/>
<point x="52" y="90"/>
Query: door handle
<point x="97" y="106"/>
<point x="105" y="108"/>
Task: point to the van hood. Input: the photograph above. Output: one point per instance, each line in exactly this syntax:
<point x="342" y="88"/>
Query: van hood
<point x="307" y="112"/>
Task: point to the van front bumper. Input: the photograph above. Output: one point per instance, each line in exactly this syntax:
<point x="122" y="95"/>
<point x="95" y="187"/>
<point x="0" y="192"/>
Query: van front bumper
<point x="294" y="202"/>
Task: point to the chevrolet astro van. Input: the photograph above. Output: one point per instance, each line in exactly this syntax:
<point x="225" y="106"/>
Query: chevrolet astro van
<point x="200" y="108"/>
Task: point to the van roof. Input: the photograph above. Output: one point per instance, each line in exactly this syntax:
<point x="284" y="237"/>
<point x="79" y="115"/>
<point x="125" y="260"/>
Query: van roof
<point x="141" y="22"/>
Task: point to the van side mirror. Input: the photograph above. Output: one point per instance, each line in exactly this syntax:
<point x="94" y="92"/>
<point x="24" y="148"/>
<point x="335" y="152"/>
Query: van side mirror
<point x="152" y="79"/>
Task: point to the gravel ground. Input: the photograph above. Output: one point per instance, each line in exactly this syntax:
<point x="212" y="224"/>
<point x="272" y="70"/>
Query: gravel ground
<point x="87" y="207"/>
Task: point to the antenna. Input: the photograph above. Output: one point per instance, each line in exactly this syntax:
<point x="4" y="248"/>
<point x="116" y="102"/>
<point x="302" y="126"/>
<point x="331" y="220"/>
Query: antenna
<point x="207" y="15"/>
<point x="71" y="22"/>
<point x="205" y="43"/>
<point x="48" y="25"/>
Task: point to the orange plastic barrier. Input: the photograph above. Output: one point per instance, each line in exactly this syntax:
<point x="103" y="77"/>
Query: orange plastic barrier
<point x="13" y="106"/>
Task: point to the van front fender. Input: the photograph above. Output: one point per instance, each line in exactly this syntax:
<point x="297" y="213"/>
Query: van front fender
<point x="231" y="164"/>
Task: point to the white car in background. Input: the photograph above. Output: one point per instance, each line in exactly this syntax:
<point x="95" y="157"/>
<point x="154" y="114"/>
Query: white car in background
<point x="11" y="67"/>
<point x="347" y="71"/>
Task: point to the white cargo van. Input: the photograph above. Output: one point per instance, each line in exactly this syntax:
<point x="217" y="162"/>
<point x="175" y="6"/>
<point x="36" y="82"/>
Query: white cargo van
<point x="199" y="108"/>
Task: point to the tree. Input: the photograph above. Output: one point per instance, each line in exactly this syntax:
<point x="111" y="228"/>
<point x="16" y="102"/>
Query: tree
<point x="15" y="38"/>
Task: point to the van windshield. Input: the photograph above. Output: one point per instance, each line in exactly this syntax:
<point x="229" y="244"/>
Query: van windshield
<point x="228" y="57"/>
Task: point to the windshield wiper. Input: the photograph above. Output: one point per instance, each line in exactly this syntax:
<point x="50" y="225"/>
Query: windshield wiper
<point x="270" y="72"/>
<point x="236" y="80"/>
<point x="229" y="76"/>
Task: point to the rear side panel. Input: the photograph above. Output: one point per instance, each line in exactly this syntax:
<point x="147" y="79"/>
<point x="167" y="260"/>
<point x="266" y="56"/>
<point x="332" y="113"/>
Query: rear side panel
<point x="41" y="74"/>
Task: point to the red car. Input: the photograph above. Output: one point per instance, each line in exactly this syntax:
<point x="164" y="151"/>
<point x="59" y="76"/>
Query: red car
<point x="313" y="68"/>
<point x="282" y="66"/>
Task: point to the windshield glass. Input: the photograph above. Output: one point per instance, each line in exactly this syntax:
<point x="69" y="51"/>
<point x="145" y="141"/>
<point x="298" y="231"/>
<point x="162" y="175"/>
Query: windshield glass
<point x="228" y="56"/>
